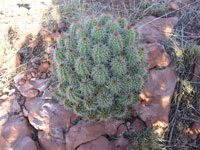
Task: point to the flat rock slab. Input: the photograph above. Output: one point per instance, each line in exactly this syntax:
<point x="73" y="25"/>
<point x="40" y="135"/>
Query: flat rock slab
<point x="15" y="134"/>
<point x="30" y="89"/>
<point x="49" y="117"/>
<point x="84" y="132"/>
<point x="157" y="56"/>
<point x="157" y="91"/>
<point x="48" y="142"/>
<point x="154" y="29"/>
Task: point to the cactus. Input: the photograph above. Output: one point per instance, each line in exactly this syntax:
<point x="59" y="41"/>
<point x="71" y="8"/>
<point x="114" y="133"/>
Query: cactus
<point x="100" y="74"/>
<point x="118" y="66"/>
<point x="91" y="23"/>
<point x="84" y="47"/>
<point x="74" y="27"/>
<point x="100" y="67"/>
<point x="59" y="55"/>
<point x="100" y="54"/>
<point x="122" y="21"/>
<point x="104" y="18"/>
<point x="99" y="34"/>
<point x="71" y="56"/>
<point x="115" y="44"/>
<point x="81" y="33"/>
<point x="112" y="27"/>
<point x="82" y="66"/>
<point x="114" y="86"/>
<point x="128" y="36"/>
<point x="87" y="88"/>
<point x="64" y="72"/>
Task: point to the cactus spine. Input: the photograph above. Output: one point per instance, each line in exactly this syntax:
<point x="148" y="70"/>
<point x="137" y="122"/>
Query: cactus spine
<point x="100" y="67"/>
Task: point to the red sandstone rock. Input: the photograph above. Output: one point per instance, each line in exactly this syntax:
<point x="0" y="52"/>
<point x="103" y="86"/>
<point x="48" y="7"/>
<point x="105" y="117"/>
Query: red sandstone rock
<point x="30" y="88"/>
<point x="173" y="6"/>
<point x="101" y="143"/>
<point x="156" y="29"/>
<point x="49" y="117"/>
<point x="120" y="144"/>
<point x="84" y="132"/>
<point x="50" y="143"/>
<point x="121" y="129"/>
<point x="44" y="67"/>
<point x="139" y="125"/>
<point x="158" y="91"/>
<point x="157" y="56"/>
<point x="15" y="134"/>
<point x="26" y="144"/>
<point x="8" y="106"/>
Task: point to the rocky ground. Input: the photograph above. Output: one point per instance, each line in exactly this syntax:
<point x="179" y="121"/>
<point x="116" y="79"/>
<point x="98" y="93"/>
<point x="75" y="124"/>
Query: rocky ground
<point x="31" y="118"/>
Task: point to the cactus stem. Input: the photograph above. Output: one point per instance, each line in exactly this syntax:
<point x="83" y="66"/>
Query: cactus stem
<point x="99" y="68"/>
<point x="68" y="37"/>
<point x="104" y="97"/>
<point x="129" y="27"/>
<point x="114" y="82"/>
<point x="61" y="65"/>
<point x="99" y="26"/>
<point x="116" y="35"/>
<point x="100" y="46"/>
<point x="105" y="114"/>
<point x="78" y="108"/>
<point x="121" y="110"/>
<point x="73" y="77"/>
<point x="89" y="101"/>
<point x="70" y="90"/>
<point x="82" y="59"/>
<point x="128" y="80"/>
<point x="121" y="15"/>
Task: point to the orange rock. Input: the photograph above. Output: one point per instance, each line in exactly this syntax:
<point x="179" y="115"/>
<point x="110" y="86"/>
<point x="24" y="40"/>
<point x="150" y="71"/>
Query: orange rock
<point x="157" y="56"/>
<point x="21" y="82"/>
<point x="173" y="6"/>
<point x="84" y="132"/>
<point x="156" y="29"/>
<point x="44" y="67"/>
<point x="15" y="61"/>
<point x="28" y="76"/>
<point x="139" y="125"/>
<point x="158" y="91"/>
<point x="100" y="143"/>
<point x="121" y="129"/>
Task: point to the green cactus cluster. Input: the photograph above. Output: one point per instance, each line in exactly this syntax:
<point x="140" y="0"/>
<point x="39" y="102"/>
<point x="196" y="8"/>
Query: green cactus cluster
<point x="100" y="67"/>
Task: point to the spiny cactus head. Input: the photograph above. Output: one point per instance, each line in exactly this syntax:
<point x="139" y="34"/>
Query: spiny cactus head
<point x="118" y="66"/>
<point x="115" y="44"/>
<point x="122" y="21"/>
<point x="100" y="67"/>
<point x="100" y="74"/>
<point x="99" y="34"/>
<point x="105" y="18"/>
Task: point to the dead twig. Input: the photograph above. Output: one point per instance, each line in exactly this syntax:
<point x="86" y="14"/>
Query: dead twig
<point x="179" y="96"/>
